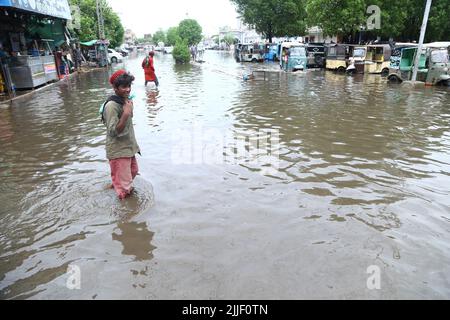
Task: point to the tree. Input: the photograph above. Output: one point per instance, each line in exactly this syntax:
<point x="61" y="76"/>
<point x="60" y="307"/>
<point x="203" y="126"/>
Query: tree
<point x="439" y="21"/>
<point x="181" y="52"/>
<point x="190" y="31"/>
<point x="438" y="28"/>
<point x="274" y="18"/>
<point x="159" y="36"/>
<point x="172" y="36"/>
<point x="228" y="39"/>
<point x="400" y="19"/>
<point x="338" y="17"/>
<point x="114" y="30"/>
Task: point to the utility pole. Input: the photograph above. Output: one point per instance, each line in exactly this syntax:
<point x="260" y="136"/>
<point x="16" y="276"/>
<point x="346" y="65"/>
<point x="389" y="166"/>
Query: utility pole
<point x="421" y="39"/>
<point x="101" y="26"/>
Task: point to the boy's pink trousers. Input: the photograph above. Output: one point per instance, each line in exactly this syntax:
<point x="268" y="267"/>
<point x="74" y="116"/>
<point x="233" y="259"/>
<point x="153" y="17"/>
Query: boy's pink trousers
<point x="123" y="171"/>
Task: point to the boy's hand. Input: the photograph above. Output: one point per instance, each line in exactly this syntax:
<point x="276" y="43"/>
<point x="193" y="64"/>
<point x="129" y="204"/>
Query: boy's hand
<point x="128" y="107"/>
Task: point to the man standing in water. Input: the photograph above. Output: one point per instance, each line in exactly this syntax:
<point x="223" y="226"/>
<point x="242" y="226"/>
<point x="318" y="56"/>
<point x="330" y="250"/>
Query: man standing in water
<point x="121" y="145"/>
<point x="149" y="69"/>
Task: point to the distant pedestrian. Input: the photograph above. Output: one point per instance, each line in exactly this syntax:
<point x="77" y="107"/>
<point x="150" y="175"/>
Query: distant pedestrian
<point x="76" y="51"/>
<point x="193" y="52"/>
<point x="149" y="69"/>
<point x="121" y="145"/>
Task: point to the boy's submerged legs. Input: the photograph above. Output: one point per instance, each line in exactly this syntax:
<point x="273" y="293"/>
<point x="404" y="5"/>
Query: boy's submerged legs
<point x="123" y="171"/>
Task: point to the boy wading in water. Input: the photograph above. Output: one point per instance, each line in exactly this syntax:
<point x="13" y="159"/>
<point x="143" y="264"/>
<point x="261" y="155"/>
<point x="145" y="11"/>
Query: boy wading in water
<point x="121" y="145"/>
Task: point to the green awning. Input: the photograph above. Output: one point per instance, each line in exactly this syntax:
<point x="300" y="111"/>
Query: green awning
<point x="89" y="43"/>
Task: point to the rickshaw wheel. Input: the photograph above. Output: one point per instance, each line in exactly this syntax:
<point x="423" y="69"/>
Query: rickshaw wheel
<point x="385" y="72"/>
<point x="394" y="79"/>
<point x="341" y="69"/>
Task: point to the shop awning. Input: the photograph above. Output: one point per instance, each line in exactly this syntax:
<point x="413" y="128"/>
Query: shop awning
<point x="52" y="8"/>
<point x="92" y="42"/>
<point x="89" y="43"/>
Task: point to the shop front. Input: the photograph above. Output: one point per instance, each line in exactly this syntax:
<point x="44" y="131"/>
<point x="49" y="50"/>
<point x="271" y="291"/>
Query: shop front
<point x="30" y="32"/>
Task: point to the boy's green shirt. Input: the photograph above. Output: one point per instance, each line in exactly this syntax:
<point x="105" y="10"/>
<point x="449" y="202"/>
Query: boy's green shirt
<point x="119" y="145"/>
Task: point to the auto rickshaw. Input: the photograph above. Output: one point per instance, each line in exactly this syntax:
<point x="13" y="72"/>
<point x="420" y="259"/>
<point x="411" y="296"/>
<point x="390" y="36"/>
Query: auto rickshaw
<point x="250" y="52"/>
<point x="433" y="66"/>
<point x="357" y="60"/>
<point x="378" y="59"/>
<point x="337" y="57"/>
<point x="396" y="55"/>
<point x="293" y="56"/>
<point x="271" y="52"/>
<point x="316" y="55"/>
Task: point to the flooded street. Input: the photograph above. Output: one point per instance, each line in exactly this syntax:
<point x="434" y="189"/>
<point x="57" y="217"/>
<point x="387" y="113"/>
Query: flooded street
<point x="356" y="184"/>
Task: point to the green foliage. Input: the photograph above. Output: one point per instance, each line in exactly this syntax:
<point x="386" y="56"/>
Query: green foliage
<point x="338" y="17"/>
<point x="438" y="28"/>
<point x="159" y="36"/>
<point x="274" y="18"/>
<point x="172" y="36"/>
<point x="190" y="31"/>
<point x="181" y="52"/>
<point x="400" y="19"/>
<point x="146" y="39"/>
<point x="439" y="22"/>
<point x="114" y="30"/>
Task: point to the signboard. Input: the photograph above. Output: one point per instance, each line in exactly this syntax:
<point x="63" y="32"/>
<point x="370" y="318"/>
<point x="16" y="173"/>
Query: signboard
<point x="53" y="8"/>
<point x="49" y="68"/>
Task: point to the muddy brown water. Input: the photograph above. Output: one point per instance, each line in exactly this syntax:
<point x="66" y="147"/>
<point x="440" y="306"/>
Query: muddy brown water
<point x="349" y="200"/>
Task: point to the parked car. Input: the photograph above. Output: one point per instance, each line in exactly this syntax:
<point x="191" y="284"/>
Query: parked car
<point x="123" y="52"/>
<point x="114" y="56"/>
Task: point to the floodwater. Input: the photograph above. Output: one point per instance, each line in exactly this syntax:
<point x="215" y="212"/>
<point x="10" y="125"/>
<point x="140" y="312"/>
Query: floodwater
<point x="348" y="199"/>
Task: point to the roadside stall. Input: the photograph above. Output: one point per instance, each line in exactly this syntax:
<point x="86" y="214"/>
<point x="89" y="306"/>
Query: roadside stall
<point x="96" y="51"/>
<point x="29" y="31"/>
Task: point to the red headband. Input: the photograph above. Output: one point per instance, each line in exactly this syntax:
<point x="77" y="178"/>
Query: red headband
<point x="115" y="75"/>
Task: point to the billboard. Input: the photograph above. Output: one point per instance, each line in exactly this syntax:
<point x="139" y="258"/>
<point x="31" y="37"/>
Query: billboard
<point x="53" y="8"/>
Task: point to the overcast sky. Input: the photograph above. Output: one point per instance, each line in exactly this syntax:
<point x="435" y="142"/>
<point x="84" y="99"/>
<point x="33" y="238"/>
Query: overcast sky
<point x="147" y="16"/>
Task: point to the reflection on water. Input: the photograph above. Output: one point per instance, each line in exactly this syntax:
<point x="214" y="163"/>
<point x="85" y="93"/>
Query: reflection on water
<point x="135" y="238"/>
<point x="359" y="176"/>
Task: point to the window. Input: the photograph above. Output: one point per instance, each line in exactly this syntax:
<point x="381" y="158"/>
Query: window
<point x="359" y="52"/>
<point x="439" y="56"/>
<point x="298" y="51"/>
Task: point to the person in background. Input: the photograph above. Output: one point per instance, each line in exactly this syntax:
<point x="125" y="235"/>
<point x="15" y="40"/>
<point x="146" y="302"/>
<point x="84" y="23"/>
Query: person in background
<point x="149" y="69"/>
<point x="76" y="52"/>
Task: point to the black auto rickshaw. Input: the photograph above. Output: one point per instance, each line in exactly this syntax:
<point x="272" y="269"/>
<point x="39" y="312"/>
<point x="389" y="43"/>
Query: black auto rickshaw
<point x="316" y="53"/>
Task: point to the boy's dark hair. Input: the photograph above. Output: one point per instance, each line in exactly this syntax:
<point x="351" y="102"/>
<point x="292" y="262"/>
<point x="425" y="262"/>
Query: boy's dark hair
<point x="123" y="80"/>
